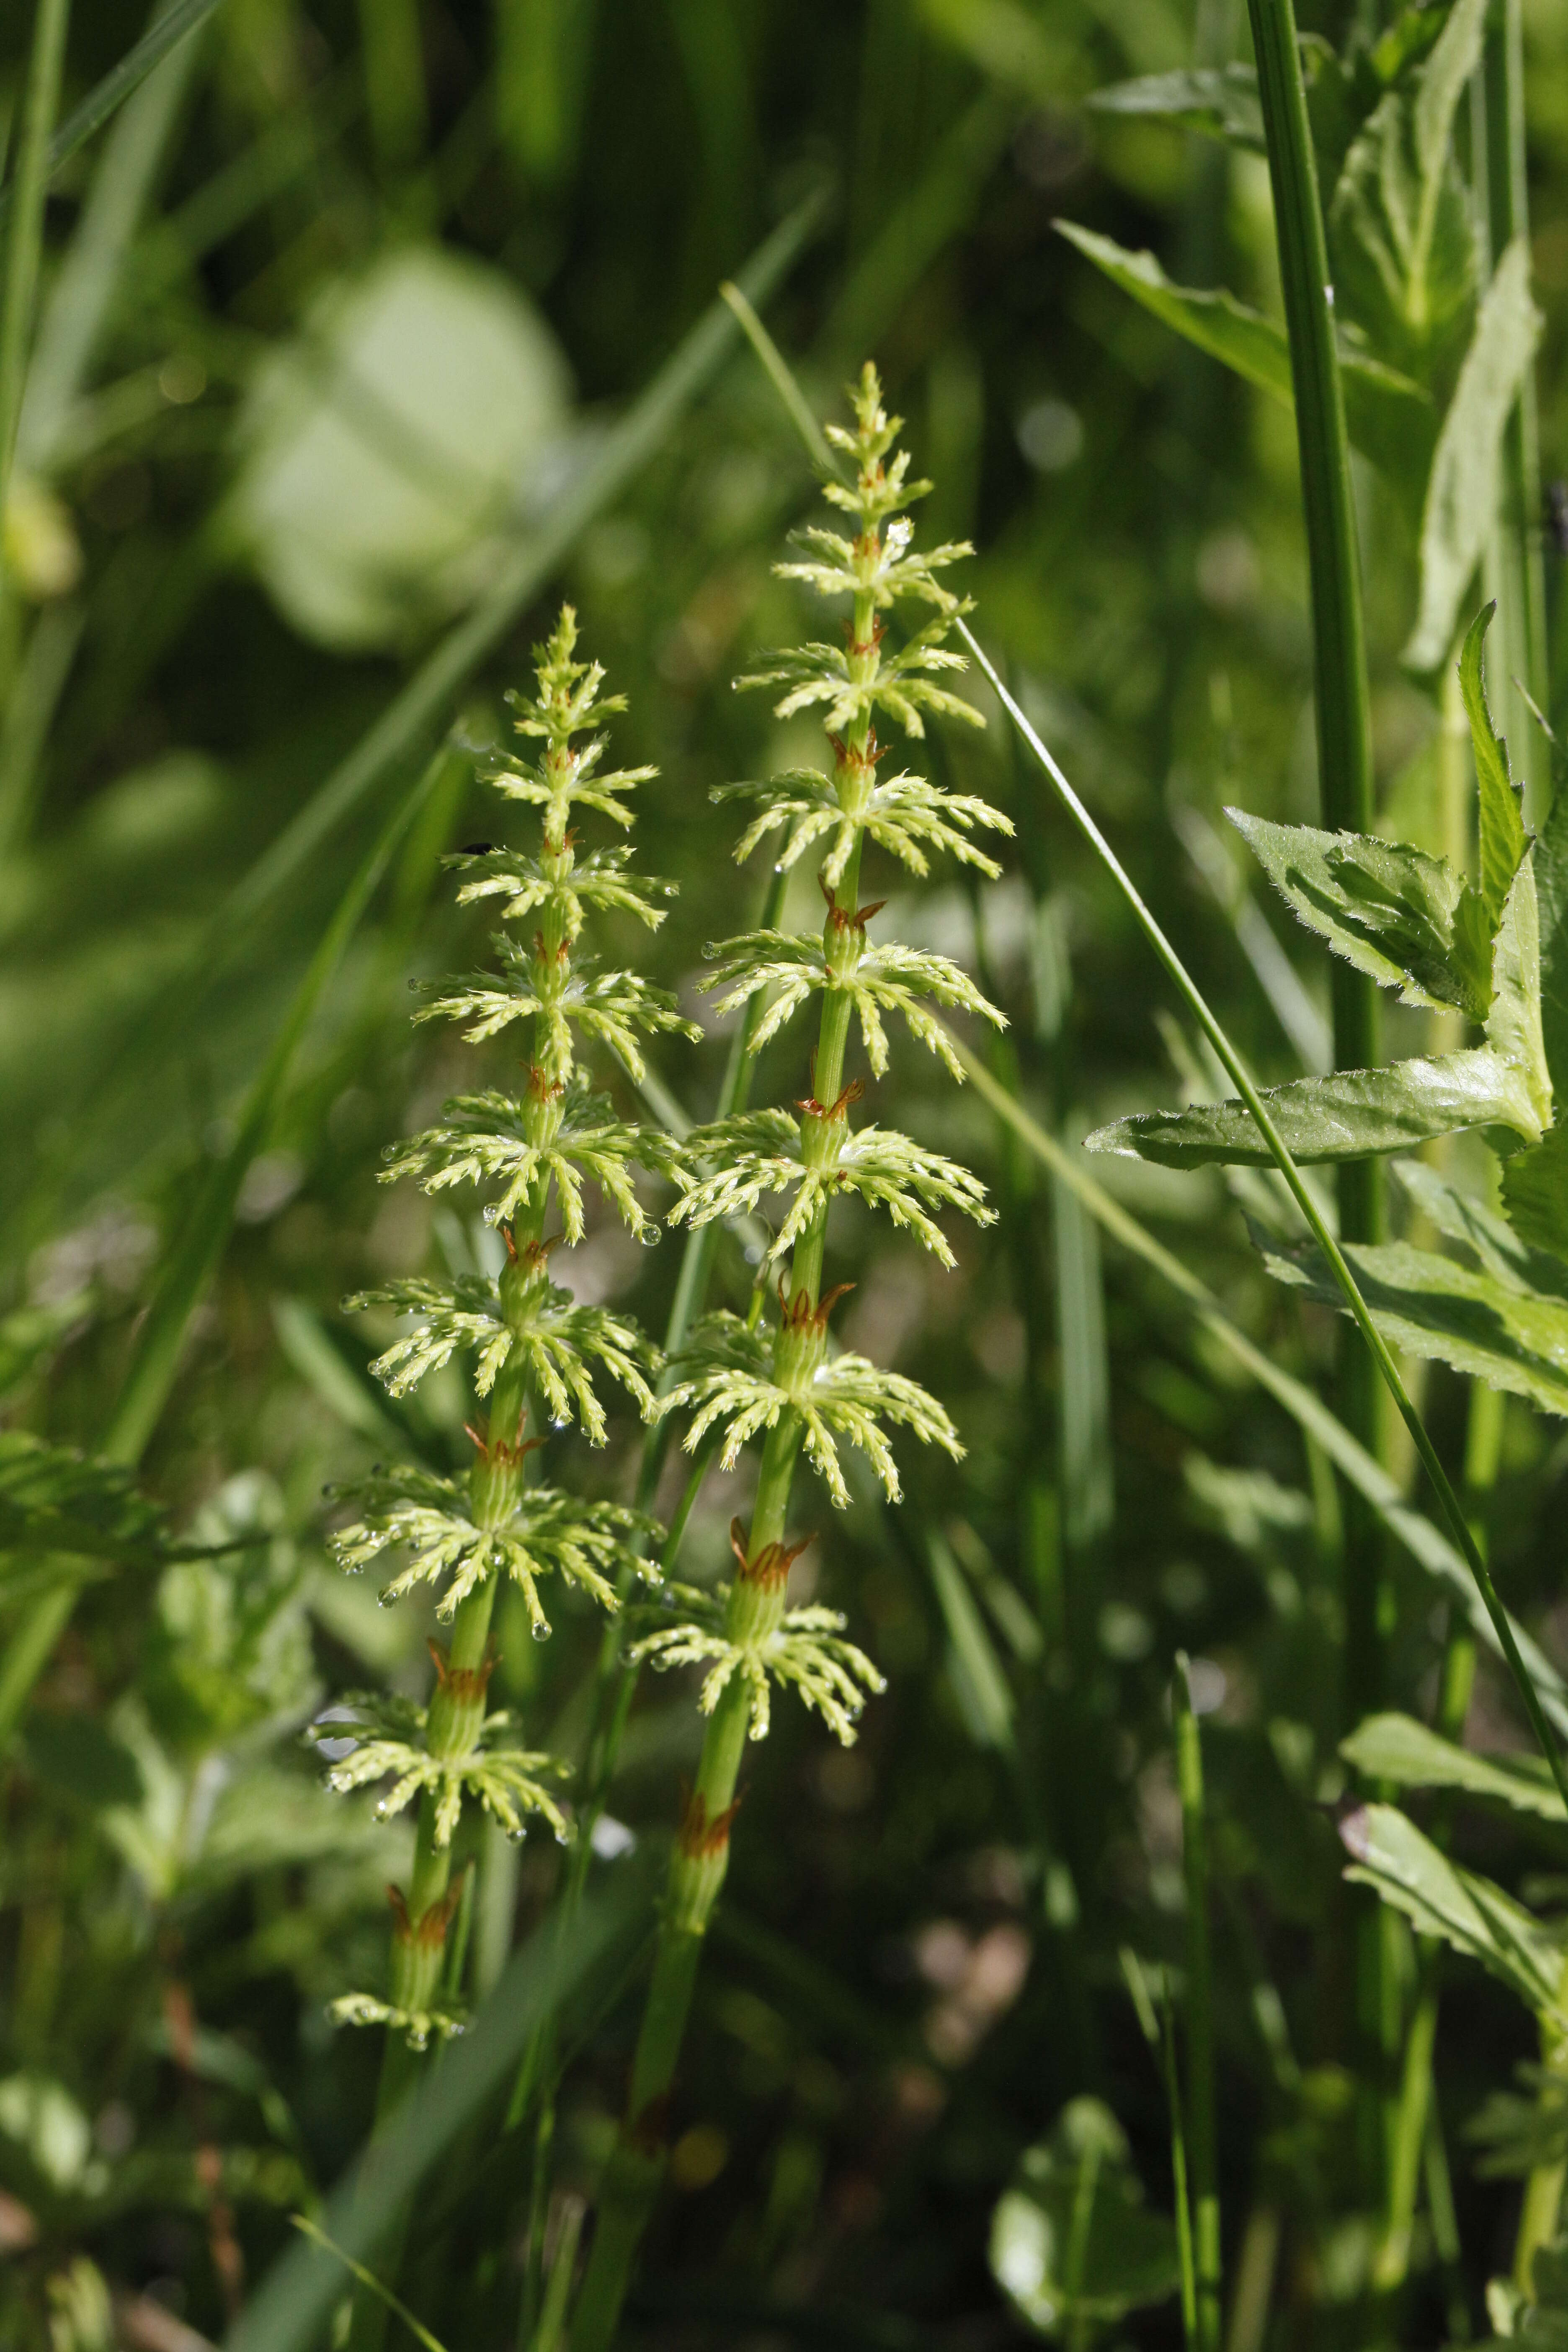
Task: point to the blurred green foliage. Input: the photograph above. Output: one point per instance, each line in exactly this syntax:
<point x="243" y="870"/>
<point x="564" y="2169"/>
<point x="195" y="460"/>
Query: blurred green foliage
<point x="334" y="313"/>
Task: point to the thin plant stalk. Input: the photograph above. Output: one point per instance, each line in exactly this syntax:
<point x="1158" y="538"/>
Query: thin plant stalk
<point x="25" y="237"/>
<point x="1413" y="2110"/>
<point x="1343" y="703"/>
<point x="1160" y="2034"/>
<point x="1542" y="2209"/>
<point x="1181" y="2187"/>
<point x="1201" y="2135"/>
<point x="1300" y="1192"/>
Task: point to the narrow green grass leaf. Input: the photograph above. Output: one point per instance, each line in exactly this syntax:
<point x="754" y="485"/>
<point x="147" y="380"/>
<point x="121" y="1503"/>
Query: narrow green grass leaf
<point x="1352" y="682"/>
<point x="1407" y="1870"/>
<point x="981" y="1686"/>
<point x="367" y="2278"/>
<point x="1201" y="2137"/>
<point x="1397" y="1748"/>
<point x="1390" y="419"/>
<point x="116" y="87"/>
<point x="294" y="2301"/>
<point x="1501" y="823"/>
<point x="25" y="225"/>
<point x="205" y="1231"/>
<point x="1088" y="1495"/>
<point x="91" y="276"/>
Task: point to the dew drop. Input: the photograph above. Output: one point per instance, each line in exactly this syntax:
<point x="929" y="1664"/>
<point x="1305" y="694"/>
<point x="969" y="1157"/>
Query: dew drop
<point x="385" y="1600"/>
<point x="564" y="1423"/>
<point x="541" y="1632"/>
<point x="651" y="1235"/>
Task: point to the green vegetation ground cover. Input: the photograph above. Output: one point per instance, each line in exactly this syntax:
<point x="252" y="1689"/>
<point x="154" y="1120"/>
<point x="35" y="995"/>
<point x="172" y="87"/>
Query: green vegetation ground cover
<point x="360" y="341"/>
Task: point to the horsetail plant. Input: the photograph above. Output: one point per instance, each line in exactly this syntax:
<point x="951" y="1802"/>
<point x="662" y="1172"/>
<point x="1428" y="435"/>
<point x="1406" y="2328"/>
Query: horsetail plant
<point x="537" y="1353"/>
<point x="784" y="1384"/>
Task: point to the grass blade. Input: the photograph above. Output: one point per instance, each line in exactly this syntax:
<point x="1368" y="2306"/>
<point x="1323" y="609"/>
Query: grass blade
<point x="367" y="2278"/>
<point x="1235" y="1069"/>
<point x="24" y="242"/>
<point x="202" y="1242"/>
<point x="92" y="276"/>
<point x="297" y="2296"/>
<point x="1200" y="2100"/>
<point x="115" y="88"/>
<point x="1089" y="1497"/>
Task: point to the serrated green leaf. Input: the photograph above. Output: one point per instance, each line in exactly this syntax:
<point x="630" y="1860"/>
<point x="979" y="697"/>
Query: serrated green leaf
<point x="1513" y="1024"/>
<point x="1463" y="489"/>
<point x="1390" y="418"/>
<point x="1390" y="910"/>
<point x="1406" y="1869"/>
<point x="1402" y="243"/>
<point x="1498" y="1248"/>
<point x="1350" y="1115"/>
<point x="1397" y="1748"/>
<point x="1535" y="1193"/>
<point x="1502" y="835"/>
<point x="1432" y="1307"/>
<point x="1218" y="101"/>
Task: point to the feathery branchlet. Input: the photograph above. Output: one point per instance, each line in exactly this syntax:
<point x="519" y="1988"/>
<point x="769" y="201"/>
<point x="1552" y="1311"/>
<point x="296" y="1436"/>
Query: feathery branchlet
<point x="535" y="1353"/>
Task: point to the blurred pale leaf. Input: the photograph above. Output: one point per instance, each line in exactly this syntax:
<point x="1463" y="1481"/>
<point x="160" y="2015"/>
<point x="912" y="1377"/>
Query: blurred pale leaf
<point x="1462" y="492"/>
<point x="1413" y="1755"/>
<point x="1071" y="2242"/>
<point x="1220" y="102"/>
<point x="1390" y="1855"/>
<point x="41" y="2117"/>
<point x="389" y="450"/>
